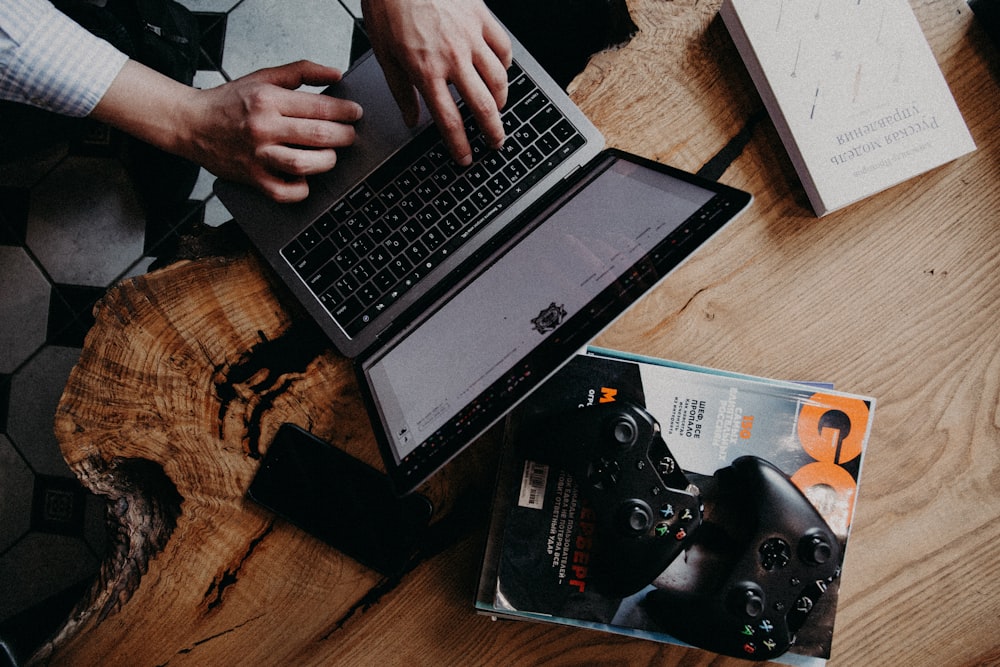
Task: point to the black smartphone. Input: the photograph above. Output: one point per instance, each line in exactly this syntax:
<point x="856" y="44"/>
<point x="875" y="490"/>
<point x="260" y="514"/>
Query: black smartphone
<point x="341" y="500"/>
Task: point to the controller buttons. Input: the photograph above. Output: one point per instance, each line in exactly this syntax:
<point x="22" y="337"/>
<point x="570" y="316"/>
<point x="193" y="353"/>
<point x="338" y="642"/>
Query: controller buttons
<point x="804" y="604"/>
<point x="775" y="553"/>
<point x="814" y="549"/>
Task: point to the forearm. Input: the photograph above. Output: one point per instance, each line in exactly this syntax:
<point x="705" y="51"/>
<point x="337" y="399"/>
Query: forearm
<point x="149" y="106"/>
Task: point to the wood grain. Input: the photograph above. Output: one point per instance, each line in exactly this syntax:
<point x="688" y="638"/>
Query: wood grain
<point x="897" y="297"/>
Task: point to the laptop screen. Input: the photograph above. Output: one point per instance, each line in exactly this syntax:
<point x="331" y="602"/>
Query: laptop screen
<point x="517" y="321"/>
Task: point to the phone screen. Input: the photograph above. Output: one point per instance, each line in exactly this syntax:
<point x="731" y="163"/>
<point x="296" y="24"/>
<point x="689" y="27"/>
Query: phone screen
<point x="340" y="500"/>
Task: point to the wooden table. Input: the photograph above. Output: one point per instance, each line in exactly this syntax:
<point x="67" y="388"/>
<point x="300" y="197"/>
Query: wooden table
<point x="897" y="297"/>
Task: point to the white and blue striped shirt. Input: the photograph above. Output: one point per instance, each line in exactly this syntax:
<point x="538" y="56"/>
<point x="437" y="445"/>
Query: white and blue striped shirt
<point x="47" y="60"/>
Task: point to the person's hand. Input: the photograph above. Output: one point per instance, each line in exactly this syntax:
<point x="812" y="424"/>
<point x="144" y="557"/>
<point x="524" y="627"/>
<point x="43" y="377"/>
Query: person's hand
<point x="423" y="45"/>
<point x="257" y="129"/>
<point x="260" y="130"/>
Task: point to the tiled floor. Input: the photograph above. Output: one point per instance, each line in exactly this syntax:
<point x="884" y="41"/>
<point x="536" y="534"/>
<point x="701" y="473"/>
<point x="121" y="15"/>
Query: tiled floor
<point x="71" y="224"/>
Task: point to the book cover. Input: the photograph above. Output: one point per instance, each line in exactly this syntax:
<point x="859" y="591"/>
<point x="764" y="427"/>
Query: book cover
<point x="561" y="552"/>
<point x="853" y="89"/>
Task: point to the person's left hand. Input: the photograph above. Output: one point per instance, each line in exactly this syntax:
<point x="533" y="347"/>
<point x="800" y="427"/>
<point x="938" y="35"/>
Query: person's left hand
<point x="258" y="129"/>
<point x="424" y="45"/>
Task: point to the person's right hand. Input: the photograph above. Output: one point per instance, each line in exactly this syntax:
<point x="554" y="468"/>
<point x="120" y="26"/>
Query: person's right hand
<point x="424" y="45"/>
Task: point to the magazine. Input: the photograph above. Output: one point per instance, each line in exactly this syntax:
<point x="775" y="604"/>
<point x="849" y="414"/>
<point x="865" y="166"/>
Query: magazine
<point x="678" y="504"/>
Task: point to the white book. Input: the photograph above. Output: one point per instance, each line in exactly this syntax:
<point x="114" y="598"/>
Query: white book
<point x="853" y="89"/>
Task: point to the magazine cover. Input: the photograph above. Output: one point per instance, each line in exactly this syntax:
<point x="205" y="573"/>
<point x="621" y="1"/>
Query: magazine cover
<point x="678" y="504"/>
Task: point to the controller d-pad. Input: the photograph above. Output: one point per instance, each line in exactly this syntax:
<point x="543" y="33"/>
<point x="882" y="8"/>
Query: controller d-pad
<point x="775" y="553"/>
<point x="604" y="473"/>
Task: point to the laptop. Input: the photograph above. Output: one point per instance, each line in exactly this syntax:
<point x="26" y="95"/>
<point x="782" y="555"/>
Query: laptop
<point x="456" y="291"/>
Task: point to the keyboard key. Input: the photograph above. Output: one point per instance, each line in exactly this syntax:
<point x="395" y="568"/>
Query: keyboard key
<point x="362" y="271"/>
<point x="444" y="176"/>
<point x="368" y="294"/>
<point x="359" y="196"/>
<point x="546" y="117"/>
<point x="530" y="157"/>
<point x="324" y="278"/>
<point x="514" y="170"/>
<point x="498" y="184"/>
<point x="310" y="237"/>
<point x="444" y="201"/>
<point x="530" y="105"/>
<point x="347" y="284"/>
<point x="514" y="71"/>
<point x="314" y="259"/>
<point x="340" y="211"/>
<point x="346" y="311"/>
<point x="516" y="90"/>
<point x="293" y="251"/>
<point x="379" y="258"/>
<point x="416" y="252"/>
<point x="563" y="130"/>
<point x="460" y="189"/>
<point x="345" y="259"/>
<point x="547" y="144"/>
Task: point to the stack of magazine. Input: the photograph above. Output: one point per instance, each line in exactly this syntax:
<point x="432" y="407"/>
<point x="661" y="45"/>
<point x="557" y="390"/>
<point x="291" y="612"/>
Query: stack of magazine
<point x="677" y="504"/>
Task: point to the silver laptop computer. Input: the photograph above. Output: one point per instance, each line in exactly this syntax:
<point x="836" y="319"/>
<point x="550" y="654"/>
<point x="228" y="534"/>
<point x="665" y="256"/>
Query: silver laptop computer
<point x="456" y="291"/>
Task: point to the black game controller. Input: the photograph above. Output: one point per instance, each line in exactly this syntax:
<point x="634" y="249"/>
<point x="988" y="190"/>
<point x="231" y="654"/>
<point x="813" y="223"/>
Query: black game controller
<point x="778" y="556"/>
<point x="645" y="506"/>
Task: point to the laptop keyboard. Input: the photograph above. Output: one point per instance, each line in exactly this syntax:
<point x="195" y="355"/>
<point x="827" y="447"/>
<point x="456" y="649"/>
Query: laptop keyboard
<point x="417" y="208"/>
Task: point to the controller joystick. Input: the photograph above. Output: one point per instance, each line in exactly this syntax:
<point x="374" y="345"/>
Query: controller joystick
<point x="780" y="557"/>
<point x="645" y="506"/>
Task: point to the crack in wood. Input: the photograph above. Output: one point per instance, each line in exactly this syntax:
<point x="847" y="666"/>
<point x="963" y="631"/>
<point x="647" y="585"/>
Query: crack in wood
<point x="230" y="576"/>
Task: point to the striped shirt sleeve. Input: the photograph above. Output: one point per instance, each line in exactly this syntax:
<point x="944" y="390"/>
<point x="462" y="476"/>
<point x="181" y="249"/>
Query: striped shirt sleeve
<point x="47" y="60"/>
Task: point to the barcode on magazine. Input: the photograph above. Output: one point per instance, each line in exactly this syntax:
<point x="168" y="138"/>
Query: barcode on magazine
<point x="532" y="494"/>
